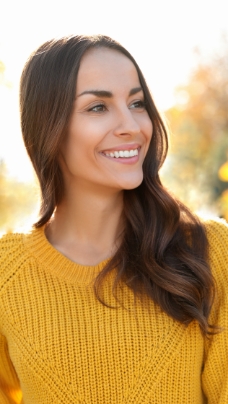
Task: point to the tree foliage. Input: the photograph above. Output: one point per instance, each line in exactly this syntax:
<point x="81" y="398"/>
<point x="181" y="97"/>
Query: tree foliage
<point x="196" y="168"/>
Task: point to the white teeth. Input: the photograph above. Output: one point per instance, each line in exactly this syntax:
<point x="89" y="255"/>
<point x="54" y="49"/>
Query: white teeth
<point x="123" y="153"/>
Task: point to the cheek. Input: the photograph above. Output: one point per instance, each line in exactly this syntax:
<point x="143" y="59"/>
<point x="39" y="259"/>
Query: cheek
<point x="82" y="140"/>
<point x="147" y="129"/>
<point x="146" y="125"/>
<point x="87" y="133"/>
<point x="148" y="132"/>
<point x="78" y="138"/>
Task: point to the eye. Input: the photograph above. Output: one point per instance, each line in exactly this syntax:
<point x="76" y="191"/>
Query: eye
<point x="139" y="104"/>
<point x="98" y="108"/>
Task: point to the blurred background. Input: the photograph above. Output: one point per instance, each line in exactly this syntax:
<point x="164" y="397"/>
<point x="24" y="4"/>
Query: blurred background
<point x="182" y="49"/>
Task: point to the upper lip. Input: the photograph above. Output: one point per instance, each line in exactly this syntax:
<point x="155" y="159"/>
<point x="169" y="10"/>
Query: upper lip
<point x="126" y="146"/>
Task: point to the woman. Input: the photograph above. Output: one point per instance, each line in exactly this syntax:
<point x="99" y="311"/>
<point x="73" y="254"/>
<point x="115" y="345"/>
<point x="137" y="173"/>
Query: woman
<point x="118" y="293"/>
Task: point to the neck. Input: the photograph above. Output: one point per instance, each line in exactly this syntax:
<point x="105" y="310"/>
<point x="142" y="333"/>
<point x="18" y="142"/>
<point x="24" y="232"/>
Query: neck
<point x="87" y="225"/>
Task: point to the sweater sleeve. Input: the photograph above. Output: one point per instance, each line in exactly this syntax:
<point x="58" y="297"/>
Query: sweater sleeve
<point x="215" y="372"/>
<point x="10" y="392"/>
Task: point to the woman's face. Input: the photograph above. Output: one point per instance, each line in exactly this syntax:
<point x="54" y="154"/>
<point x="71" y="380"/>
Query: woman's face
<point x="109" y="131"/>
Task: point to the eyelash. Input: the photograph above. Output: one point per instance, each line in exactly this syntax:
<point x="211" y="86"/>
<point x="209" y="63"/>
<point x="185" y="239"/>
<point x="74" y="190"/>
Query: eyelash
<point x="97" y="106"/>
<point x="140" y="105"/>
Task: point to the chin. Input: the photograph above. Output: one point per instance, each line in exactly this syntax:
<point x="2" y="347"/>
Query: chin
<point x="133" y="184"/>
<point x="128" y="188"/>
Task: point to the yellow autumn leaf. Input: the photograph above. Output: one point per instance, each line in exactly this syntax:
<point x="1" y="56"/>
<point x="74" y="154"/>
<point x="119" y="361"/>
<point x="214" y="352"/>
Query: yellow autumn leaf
<point x="223" y="172"/>
<point x="224" y="196"/>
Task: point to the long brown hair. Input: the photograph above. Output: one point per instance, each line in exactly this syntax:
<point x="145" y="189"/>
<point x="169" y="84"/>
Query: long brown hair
<point x="164" y="251"/>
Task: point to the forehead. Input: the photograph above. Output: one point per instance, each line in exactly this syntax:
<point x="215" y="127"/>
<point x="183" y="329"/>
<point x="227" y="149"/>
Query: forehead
<point x="103" y="67"/>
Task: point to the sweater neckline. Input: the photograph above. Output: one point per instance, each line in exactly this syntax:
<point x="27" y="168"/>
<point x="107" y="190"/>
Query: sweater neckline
<point x="58" y="264"/>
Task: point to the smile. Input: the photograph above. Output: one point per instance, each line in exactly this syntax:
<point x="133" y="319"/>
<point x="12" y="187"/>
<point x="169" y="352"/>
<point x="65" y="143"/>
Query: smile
<point x="122" y="153"/>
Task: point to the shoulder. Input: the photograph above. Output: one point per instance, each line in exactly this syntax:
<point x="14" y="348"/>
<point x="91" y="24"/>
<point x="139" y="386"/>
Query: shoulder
<point x="10" y="244"/>
<point x="217" y="234"/>
<point x="9" y="241"/>
<point x="12" y="253"/>
<point x="217" y="230"/>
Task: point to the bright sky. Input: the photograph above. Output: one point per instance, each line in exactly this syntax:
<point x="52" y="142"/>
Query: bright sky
<point x="161" y="35"/>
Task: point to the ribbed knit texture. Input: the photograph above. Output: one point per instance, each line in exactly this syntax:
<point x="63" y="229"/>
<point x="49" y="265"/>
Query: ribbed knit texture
<point x="59" y="344"/>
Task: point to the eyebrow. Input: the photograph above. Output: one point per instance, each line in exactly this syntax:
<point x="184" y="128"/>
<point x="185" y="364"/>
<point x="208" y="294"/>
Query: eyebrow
<point x="108" y="94"/>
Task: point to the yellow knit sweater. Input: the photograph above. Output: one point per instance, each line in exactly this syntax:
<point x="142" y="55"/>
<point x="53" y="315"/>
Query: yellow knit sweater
<point x="58" y="344"/>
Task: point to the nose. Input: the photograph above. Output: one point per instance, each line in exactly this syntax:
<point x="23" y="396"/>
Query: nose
<point x="126" y="124"/>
